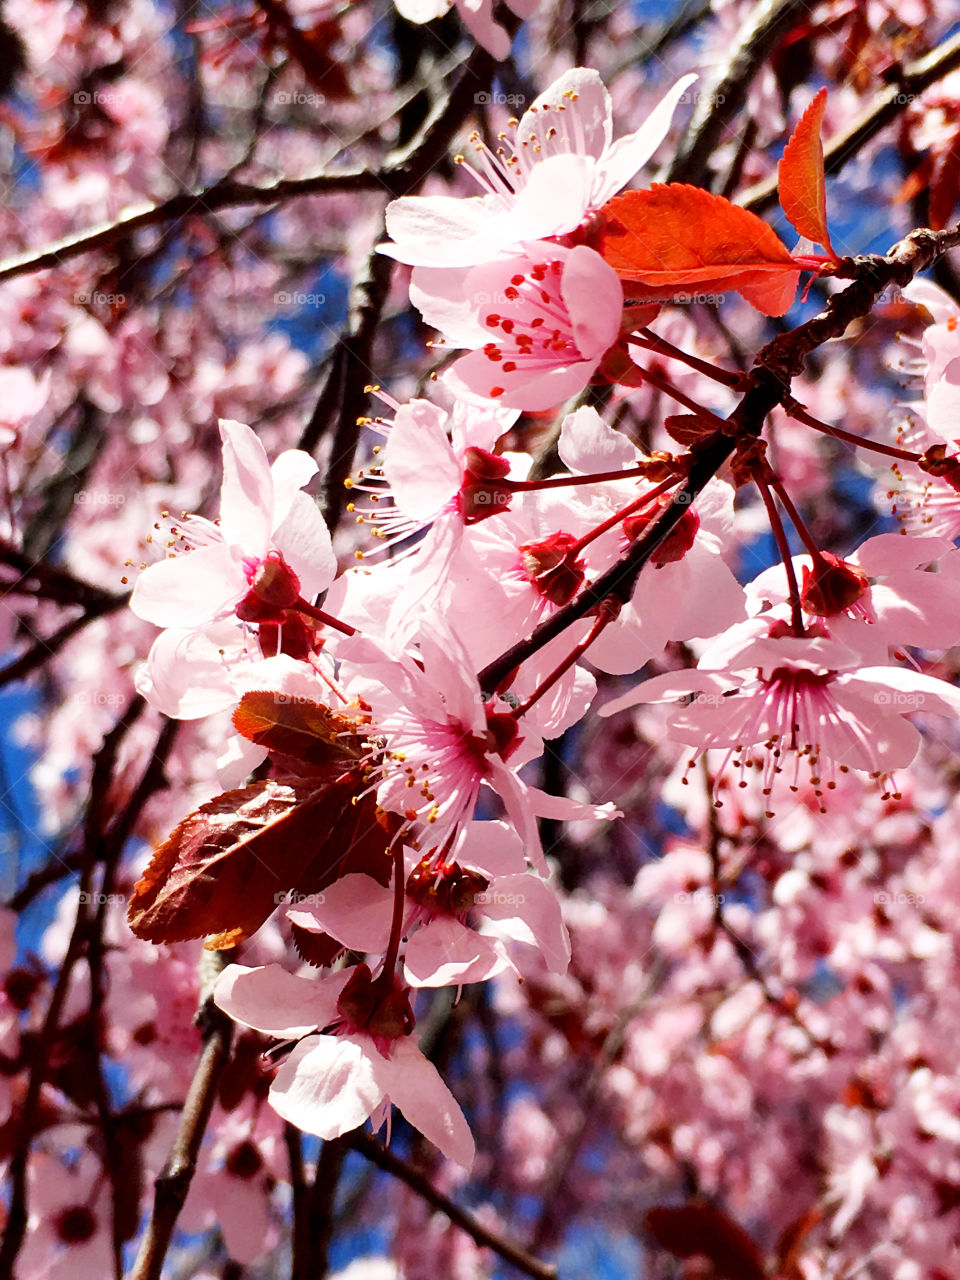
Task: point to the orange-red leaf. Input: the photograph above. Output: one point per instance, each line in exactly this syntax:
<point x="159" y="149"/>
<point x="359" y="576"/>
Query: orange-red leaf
<point x="803" y="187"/>
<point x="676" y="235"/>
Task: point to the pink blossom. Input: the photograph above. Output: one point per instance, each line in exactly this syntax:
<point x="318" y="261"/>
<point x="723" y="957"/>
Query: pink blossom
<point x="270" y="543"/>
<point x="554" y="315"/>
<point x="563" y="165"/>
<point x="463" y="906"/>
<point x="343" y="1071"/>
<point x="779" y="700"/>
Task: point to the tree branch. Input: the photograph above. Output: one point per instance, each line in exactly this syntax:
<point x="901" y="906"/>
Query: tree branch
<point x="173" y="1181"/>
<point x="882" y="111"/>
<point x="483" y="1236"/>
<point x="757" y="38"/>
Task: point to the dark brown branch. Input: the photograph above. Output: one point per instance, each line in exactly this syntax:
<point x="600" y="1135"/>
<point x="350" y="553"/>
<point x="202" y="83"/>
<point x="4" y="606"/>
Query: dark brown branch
<point x="483" y="1236"/>
<point x="716" y="109"/>
<point x="77" y="946"/>
<point x="884" y="109"/>
<point x="48" y="646"/>
<point x="173" y="1181"/>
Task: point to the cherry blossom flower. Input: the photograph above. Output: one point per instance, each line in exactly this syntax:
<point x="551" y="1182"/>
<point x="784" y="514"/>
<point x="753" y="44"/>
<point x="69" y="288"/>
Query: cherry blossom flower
<point x="69" y="1221"/>
<point x="269" y="548"/>
<point x="482" y="879"/>
<point x="555" y="313"/>
<point x="354" y="1055"/>
<point x="563" y="164"/>
<point x="687" y="590"/>
<point x="442" y="742"/>
<point x="899" y="602"/>
<point x="779" y="698"/>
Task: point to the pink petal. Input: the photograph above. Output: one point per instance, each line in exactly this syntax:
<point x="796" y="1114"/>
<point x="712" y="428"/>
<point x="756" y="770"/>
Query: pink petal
<point x="441" y="231"/>
<point x="289" y="471"/>
<point x="185" y="675"/>
<point x="473" y="375"/>
<point x="587" y="444"/>
<point x="493" y="847"/>
<point x="593" y="296"/>
<point x="242" y="1208"/>
<point x="328" y="1085"/>
<point x="414" y="1085"/>
<point x="304" y="540"/>
<point x="627" y="156"/>
<point x="446" y="953"/>
<point x="272" y="1000"/>
<point x="581" y="125"/>
<point x="246" y="494"/>
<point x="530" y="907"/>
<point x="418" y="461"/>
<point x="355" y="910"/>
<point x="190" y="589"/>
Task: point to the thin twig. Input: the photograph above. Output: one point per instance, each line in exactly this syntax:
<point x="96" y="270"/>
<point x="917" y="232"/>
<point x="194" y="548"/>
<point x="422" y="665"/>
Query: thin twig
<point x="483" y="1236"/>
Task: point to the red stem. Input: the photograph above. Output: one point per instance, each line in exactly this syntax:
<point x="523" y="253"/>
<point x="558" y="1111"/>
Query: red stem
<point x="776" y="525"/>
<point x="603" y="617"/>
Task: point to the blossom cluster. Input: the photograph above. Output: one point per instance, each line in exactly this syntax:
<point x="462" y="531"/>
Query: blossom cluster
<point x="384" y="688"/>
<point x="578" y="779"/>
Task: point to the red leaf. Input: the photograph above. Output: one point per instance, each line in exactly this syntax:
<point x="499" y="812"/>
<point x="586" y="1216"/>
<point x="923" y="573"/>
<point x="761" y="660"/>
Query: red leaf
<point x="803" y="188"/>
<point x="696" y="1230"/>
<point x="676" y="235"/>
<point x="299" y="732"/>
<point x="226" y="867"/>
